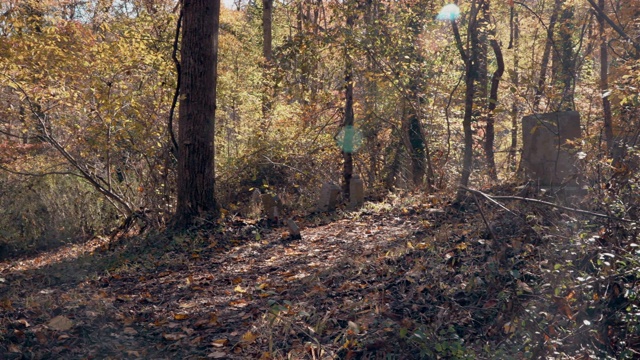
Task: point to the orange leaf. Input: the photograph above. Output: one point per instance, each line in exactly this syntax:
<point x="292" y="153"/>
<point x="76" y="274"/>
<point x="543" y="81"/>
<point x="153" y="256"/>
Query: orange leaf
<point x="180" y="316"/>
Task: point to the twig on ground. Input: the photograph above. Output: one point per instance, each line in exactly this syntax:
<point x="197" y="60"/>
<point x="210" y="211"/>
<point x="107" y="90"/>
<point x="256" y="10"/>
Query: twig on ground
<point x="486" y="223"/>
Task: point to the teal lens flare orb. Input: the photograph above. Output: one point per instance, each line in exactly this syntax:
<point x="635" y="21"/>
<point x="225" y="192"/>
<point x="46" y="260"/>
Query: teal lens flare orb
<point x="349" y="139"/>
<point x="449" y="12"/>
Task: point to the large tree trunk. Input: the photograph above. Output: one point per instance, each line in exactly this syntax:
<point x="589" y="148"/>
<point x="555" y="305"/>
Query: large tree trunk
<point x="199" y="55"/>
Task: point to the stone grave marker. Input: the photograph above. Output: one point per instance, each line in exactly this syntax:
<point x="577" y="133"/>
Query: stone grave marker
<point x="356" y="192"/>
<point x="328" y="196"/>
<point x="271" y="207"/>
<point x="547" y="153"/>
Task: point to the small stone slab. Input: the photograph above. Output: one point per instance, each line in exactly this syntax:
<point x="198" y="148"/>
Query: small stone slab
<point x="256" y="197"/>
<point x="328" y="196"/>
<point x="356" y="192"/>
<point x="294" y="230"/>
<point x="271" y="207"/>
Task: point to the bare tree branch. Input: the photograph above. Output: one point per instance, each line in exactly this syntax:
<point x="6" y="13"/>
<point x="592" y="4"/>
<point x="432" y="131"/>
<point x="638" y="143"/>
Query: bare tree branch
<point x="84" y="172"/>
<point x="616" y="27"/>
<point x="493" y="199"/>
<point x="46" y="173"/>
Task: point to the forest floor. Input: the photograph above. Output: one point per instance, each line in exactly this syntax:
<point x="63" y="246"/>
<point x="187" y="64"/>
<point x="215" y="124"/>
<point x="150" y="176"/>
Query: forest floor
<point x="406" y="279"/>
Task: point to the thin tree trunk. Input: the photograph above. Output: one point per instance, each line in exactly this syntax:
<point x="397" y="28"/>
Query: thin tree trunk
<point x="267" y="54"/>
<point x="480" y="111"/>
<point x="604" y="80"/>
<point x="516" y="83"/>
<point x="467" y="159"/>
<point x="567" y="60"/>
<point x="199" y="54"/>
<point x="347" y="150"/>
<point x="470" y="78"/>
<point x="417" y="142"/>
<point x="493" y="102"/>
<point x="544" y="63"/>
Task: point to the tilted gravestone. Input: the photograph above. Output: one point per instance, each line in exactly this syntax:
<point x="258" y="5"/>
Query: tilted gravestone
<point x="328" y="196"/>
<point x="547" y="151"/>
<point x="356" y="192"/>
<point x="294" y="230"/>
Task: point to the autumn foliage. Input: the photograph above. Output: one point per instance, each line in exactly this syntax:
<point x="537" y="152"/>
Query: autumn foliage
<point x="413" y="101"/>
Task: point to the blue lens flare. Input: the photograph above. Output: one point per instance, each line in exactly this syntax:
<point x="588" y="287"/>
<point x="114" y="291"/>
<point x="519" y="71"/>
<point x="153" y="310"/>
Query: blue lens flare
<point x="349" y="139"/>
<point x="449" y="12"/>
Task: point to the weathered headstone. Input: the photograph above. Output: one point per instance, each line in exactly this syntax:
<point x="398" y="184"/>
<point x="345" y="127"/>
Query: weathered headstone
<point x="328" y="196"/>
<point x="547" y="155"/>
<point x="271" y="207"/>
<point x="254" y="206"/>
<point x="356" y="192"/>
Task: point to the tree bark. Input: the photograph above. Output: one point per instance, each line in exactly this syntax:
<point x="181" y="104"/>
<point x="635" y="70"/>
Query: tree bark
<point x="482" y="82"/>
<point x="493" y="102"/>
<point x="470" y="60"/>
<point x="544" y="63"/>
<point x="349" y="118"/>
<point x="516" y="84"/>
<point x="267" y="54"/>
<point x="199" y="55"/>
<point x="567" y="60"/>
<point x="604" y="80"/>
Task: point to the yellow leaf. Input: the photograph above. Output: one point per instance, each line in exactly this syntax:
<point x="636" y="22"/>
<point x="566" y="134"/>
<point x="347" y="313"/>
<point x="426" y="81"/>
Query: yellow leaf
<point x="262" y="286"/>
<point x="249" y="337"/>
<point x="239" y="289"/>
<point x="509" y="328"/>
